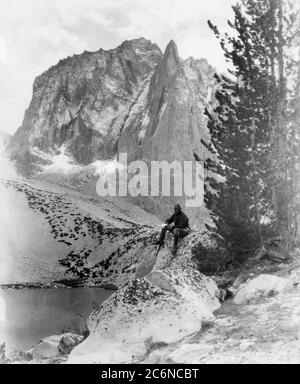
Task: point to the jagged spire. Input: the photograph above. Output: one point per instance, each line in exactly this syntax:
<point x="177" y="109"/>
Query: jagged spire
<point x="172" y="51"/>
<point x="171" y="48"/>
<point x="171" y="60"/>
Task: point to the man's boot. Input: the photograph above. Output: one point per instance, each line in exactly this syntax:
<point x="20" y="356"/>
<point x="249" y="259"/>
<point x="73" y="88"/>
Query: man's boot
<point x="175" y="245"/>
<point x="161" y="240"/>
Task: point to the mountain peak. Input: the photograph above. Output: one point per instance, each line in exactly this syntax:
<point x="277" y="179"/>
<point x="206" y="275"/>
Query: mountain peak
<point x="132" y="98"/>
<point x="140" y="43"/>
<point x="172" y="50"/>
<point x="171" y="61"/>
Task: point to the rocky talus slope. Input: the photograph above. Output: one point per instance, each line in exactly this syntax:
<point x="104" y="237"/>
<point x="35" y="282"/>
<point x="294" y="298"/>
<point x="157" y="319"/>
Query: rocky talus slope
<point x="48" y="233"/>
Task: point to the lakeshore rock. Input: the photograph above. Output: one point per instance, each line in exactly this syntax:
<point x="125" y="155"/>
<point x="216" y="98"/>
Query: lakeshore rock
<point x="47" y="348"/>
<point x="261" y="286"/>
<point x="143" y="315"/>
<point x="68" y="341"/>
<point x="54" y="346"/>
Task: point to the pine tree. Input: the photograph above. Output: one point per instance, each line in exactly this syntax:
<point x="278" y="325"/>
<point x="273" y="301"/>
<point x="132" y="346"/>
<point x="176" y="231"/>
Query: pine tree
<point x="251" y="196"/>
<point x="293" y="129"/>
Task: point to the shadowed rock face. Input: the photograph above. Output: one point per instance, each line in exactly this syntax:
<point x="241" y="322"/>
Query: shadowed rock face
<point x="176" y="110"/>
<point x="84" y="101"/>
<point x="132" y="99"/>
<point x="160" y="309"/>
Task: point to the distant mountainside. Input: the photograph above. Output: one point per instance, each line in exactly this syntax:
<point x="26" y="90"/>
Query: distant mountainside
<point x="135" y="99"/>
<point x="84" y="111"/>
<point x="132" y="98"/>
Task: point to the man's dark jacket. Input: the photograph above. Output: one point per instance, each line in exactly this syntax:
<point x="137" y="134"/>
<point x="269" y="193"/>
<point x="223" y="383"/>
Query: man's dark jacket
<point x="179" y="219"/>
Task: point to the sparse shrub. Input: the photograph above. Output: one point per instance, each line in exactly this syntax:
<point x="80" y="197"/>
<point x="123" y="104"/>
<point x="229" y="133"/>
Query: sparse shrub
<point x="211" y="260"/>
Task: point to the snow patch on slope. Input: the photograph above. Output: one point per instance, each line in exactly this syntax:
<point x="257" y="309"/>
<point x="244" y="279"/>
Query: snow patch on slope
<point x="62" y="163"/>
<point x="145" y="123"/>
<point x="105" y="168"/>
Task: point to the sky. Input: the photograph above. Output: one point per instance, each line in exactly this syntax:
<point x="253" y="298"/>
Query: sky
<point x="36" y="34"/>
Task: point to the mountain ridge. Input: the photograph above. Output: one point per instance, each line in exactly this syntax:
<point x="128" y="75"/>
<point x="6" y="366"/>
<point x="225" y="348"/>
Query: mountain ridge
<point x="132" y="99"/>
<point x="94" y="107"/>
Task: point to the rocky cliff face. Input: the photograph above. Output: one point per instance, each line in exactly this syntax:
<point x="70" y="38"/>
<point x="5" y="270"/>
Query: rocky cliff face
<point x="132" y="99"/>
<point x="171" y="124"/>
<point x="84" y="101"/>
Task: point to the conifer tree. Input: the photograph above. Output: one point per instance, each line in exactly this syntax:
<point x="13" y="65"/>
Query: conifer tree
<point x="250" y="198"/>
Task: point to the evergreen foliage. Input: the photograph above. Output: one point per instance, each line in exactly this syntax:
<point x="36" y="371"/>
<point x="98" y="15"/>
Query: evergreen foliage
<point x="251" y="186"/>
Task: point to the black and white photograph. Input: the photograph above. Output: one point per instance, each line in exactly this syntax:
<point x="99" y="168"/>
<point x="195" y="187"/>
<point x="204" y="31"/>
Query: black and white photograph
<point x="149" y="185"/>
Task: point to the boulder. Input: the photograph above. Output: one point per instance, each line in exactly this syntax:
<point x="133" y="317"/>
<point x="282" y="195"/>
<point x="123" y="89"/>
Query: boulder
<point x="55" y="346"/>
<point x="68" y="341"/>
<point x="148" y="313"/>
<point x="261" y="286"/>
<point x="47" y="348"/>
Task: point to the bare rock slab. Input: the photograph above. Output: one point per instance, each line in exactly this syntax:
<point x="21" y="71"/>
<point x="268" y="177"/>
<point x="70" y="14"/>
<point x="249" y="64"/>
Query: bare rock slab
<point x="262" y="286"/>
<point x="146" y="313"/>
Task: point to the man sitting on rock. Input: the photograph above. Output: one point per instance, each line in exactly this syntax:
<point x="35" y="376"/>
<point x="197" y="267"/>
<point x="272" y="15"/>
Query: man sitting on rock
<point x="178" y="224"/>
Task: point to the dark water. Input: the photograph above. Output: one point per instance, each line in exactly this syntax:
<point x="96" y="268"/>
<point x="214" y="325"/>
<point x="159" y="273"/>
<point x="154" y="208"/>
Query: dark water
<point x="32" y="314"/>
